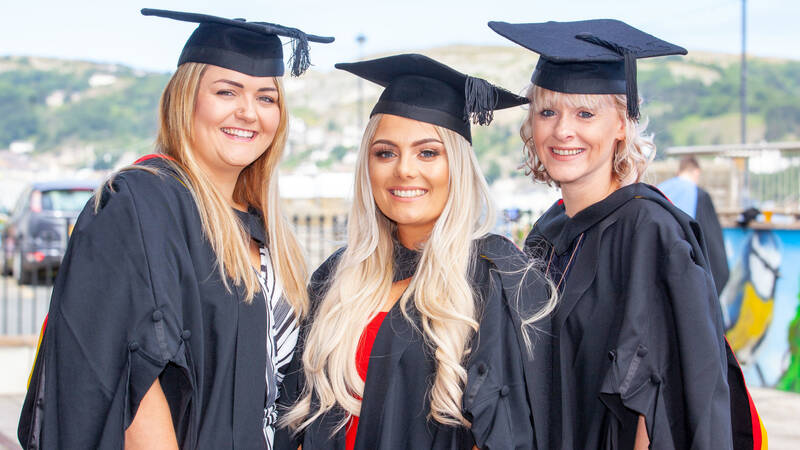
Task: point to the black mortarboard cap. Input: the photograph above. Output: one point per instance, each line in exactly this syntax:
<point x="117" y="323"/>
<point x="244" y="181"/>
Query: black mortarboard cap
<point x="588" y="56"/>
<point x="253" y="48"/>
<point x="421" y="88"/>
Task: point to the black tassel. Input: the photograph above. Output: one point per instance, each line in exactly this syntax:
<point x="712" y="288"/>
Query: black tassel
<point x="481" y="100"/>
<point x="300" y="60"/>
<point x="631" y="90"/>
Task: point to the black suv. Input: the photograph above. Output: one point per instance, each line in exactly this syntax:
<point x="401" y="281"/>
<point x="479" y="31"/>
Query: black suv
<point x="35" y="237"/>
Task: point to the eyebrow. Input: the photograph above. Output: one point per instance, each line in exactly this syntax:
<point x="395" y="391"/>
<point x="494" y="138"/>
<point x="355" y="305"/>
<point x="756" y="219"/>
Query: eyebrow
<point x="241" y="86"/>
<point x="413" y="144"/>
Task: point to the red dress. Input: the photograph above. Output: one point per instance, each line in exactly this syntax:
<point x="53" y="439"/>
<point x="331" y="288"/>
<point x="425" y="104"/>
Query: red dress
<point x="362" y="364"/>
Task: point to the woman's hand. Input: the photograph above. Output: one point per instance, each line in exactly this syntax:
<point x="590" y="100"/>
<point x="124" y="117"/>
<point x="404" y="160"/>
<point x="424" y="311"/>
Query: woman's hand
<point x="152" y="427"/>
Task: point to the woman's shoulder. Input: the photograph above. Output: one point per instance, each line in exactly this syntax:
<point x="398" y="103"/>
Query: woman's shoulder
<point x="152" y="177"/>
<point x="648" y="207"/>
<point x="497" y="249"/>
<point x="650" y="219"/>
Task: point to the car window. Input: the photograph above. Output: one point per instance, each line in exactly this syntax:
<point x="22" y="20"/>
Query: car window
<point x="71" y="200"/>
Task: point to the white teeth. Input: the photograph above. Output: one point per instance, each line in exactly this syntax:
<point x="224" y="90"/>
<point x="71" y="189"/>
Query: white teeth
<point x="565" y="152"/>
<point x="407" y="193"/>
<point x="238" y="132"/>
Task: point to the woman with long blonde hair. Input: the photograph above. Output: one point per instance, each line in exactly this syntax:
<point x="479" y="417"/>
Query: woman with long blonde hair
<point x="634" y="355"/>
<point x="415" y="335"/>
<point x="176" y="310"/>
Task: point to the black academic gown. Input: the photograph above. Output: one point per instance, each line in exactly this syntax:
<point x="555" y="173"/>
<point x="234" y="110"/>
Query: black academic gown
<point x="138" y="296"/>
<point x="638" y="330"/>
<point x="706" y="216"/>
<point x="394" y="412"/>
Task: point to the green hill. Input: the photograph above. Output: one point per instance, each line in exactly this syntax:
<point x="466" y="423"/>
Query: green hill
<point x="59" y="104"/>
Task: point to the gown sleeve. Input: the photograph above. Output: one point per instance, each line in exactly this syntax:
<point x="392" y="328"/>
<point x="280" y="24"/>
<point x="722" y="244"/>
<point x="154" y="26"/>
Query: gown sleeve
<point x="495" y="397"/>
<point x="712" y="231"/>
<point x="669" y="363"/>
<point x="108" y="333"/>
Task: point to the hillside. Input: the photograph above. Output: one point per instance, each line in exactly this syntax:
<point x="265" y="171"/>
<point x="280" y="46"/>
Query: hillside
<point x="62" y="105"/>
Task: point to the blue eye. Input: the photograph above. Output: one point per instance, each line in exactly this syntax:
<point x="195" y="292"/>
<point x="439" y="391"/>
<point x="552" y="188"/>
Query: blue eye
<point x="383" y="153"/>
<point x="225" y="92"/>
<point x="267" y="99"/>
<point x="547" y="113"/>
<point x="428" y="153"/>
<point x="585" y="115"/>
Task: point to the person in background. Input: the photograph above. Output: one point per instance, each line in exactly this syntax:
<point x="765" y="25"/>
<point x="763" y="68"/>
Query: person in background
<point x="176" y="309"/>
<point x="415" y="338"/>
<point x="685" y="193"/>
<point x="634" y="354"/>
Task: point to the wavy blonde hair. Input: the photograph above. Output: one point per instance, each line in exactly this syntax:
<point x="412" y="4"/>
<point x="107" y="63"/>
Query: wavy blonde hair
<point x="256" y="187"/>
<point x="631" y="157"/>
<point x="440" y="291"/>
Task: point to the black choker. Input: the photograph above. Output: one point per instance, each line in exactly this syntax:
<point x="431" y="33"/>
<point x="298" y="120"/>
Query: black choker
<point x="405" y="262"/>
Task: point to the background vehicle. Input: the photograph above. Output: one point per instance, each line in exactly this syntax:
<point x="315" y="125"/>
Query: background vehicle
<point x="35" y="237"/>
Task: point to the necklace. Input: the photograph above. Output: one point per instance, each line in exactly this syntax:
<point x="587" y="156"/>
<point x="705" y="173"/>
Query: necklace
<point x="569" y="262"/>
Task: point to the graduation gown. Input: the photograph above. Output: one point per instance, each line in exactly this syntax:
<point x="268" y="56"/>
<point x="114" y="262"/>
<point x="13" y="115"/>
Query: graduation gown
<point x="638" y="330"/>
<point x="139" y="296"/>
<point x="706" y="217"/>
<point x="395" y="406"/>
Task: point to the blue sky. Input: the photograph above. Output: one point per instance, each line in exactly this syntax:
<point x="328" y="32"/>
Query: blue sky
<point x="113" y="31"/>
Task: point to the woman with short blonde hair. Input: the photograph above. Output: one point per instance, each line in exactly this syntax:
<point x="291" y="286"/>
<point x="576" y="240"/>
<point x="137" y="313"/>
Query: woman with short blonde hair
<point x="636" y="352"/>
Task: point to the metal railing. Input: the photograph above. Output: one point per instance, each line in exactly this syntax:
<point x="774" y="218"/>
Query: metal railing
<point x="24" y="302"/>
<point x="25" y="298"/>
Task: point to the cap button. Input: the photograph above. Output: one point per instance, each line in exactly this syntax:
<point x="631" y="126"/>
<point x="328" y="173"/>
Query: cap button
<point x="157" y="315"/>
<point x="641" y="351"/>
<point x="133" y="346"/>
<point x="186" y="334"/>
<point x="504" y="391"/>
<point x="612" y="355"/>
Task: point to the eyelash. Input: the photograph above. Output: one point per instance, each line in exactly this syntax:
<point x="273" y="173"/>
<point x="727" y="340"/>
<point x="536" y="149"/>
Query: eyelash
<point x="429" y="153"/>
<point x="388" y="153"/>
<point x="263" y="98"/>
<point x="383" y="153"/>
<point x="582" y="114"/>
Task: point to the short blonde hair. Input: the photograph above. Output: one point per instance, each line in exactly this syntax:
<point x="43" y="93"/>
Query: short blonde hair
<point x="631" y="157"/>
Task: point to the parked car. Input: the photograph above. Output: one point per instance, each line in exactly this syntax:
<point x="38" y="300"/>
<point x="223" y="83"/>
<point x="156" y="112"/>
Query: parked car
<point x="35" y="237"/>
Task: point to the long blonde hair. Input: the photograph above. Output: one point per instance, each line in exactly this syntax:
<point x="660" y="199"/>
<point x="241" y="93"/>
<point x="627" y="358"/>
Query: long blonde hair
<point x="440" y="291"/>
<point x="257" y="187"/>
<point x="631" y="157"/>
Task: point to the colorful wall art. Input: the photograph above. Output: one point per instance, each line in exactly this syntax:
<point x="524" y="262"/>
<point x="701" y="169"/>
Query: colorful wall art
<point x="760" y="305"/>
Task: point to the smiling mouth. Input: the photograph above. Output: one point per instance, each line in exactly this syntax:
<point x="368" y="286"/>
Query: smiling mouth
<point x="567" y="151"/>
<point x="408" y="193"/>
<point x="239" y="133"/>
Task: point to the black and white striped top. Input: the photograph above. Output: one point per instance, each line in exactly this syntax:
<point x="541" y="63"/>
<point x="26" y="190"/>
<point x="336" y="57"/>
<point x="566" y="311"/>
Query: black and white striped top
<point x="282" y="331"/>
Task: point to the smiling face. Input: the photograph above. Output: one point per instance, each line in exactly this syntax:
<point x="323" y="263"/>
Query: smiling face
<point x="575" y="139"/>
<point x="409" y="174"/>
<point x="235" y="119"/>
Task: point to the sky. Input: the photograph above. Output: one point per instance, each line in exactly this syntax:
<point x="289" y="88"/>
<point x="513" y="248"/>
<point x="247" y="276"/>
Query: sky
<point x="114" y="31"/>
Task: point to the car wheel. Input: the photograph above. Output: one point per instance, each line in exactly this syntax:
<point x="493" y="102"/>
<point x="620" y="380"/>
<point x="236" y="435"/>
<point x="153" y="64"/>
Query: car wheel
<point x="21" y="276"/>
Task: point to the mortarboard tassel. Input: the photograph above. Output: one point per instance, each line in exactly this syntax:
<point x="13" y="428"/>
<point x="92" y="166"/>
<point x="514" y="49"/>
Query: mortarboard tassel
<point x="481" y="100"/>
<point x="631" y="92"/>
<point x="300" y="60"/>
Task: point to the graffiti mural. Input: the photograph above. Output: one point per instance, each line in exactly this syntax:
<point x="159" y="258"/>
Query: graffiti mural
<point x="760" y="305"/>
